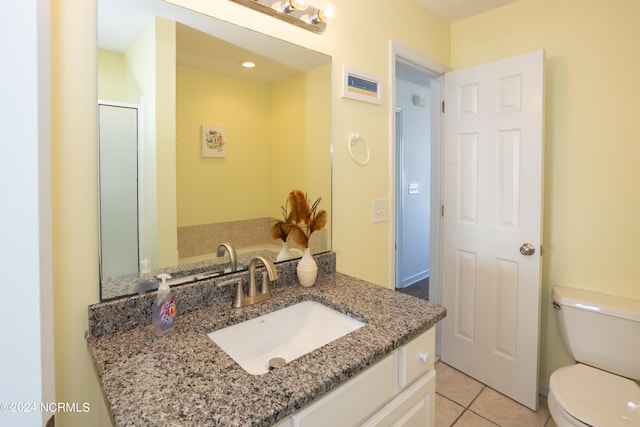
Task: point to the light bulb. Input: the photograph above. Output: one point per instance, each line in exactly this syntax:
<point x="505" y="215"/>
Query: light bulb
<point x="291" y="5"/>
<point x="299" y="4"/>
<point x="327" y="13"/>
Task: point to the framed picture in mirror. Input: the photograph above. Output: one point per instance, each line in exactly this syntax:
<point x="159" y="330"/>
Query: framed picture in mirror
<point x="214" y="141"/>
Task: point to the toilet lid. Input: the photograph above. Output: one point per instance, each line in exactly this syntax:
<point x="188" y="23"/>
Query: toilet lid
<point x="596" y="397"/>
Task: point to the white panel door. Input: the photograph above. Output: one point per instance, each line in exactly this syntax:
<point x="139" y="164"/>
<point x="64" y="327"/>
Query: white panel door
<point x="492" y="209"/>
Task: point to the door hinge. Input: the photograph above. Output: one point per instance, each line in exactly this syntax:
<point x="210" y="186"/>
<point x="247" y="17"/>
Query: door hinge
<point x="442" y="107"/>
<point x="441" y="210"/>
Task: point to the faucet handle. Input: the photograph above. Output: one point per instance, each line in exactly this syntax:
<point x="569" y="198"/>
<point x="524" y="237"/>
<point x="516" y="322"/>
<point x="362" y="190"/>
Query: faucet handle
<point x="230" y="282"/>
<point x="239" y="297"/>
<point x="264" y="287"/>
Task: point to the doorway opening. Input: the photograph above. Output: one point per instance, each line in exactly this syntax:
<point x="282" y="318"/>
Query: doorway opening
<point x="413" y="180"/>
<point x="417" y="97"/>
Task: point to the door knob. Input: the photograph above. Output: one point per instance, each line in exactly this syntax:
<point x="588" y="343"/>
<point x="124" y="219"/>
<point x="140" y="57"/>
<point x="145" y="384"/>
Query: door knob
<point x="527" y="249"/>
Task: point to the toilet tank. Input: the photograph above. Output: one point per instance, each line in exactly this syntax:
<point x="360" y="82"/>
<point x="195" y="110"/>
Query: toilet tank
<point x="600" y="330"/>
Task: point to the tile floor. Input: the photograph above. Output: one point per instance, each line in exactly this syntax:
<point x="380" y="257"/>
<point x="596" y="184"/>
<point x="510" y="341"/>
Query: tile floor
<point x="461" y="401"/>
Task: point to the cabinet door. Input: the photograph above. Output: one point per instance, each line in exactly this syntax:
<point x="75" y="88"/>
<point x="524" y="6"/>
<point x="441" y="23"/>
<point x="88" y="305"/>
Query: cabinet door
<point x="287" y="422"/>
<point x="354" y="401"/>
<point x="414" y="407"/>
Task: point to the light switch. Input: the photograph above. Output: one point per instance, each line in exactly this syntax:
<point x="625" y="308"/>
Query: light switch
<point x="379" y="210"/>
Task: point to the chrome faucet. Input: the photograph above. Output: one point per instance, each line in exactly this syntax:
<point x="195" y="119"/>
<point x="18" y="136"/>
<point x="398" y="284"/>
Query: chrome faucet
<point x="232" y="254"/>
<point x="253" y="297"/>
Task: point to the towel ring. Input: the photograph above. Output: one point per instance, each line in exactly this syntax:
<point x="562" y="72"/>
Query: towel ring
<point x="353" y="138"/>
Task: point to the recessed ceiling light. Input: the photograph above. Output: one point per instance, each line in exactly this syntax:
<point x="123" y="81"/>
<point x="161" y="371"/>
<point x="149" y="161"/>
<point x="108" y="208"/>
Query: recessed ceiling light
<point x="248" y="64"/>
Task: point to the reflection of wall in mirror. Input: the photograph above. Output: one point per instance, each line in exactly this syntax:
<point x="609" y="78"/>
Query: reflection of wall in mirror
<point x="278" y="140"/>
<point x="212" y="190"/>
<point x="299" y="159"/>
<point x="145" y="73"/>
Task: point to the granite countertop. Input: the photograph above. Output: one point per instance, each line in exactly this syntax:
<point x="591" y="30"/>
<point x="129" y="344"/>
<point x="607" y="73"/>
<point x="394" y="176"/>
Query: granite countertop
<point x="186" y="379"/>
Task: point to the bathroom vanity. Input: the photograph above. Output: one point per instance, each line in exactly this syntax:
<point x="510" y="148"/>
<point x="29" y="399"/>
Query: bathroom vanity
<point x="399" y="390"/>
<point x="379" y="374"/>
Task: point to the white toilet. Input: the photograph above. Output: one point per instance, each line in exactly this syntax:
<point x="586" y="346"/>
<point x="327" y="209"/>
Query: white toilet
<point x="602" y="333"/>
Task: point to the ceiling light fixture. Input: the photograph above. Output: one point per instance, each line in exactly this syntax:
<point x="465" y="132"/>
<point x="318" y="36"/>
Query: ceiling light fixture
<point x="296" y="12"/>
<point x="248" y="64"/>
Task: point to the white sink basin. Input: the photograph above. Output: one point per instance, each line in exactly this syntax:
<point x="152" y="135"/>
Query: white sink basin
<point x="287" y="333"/>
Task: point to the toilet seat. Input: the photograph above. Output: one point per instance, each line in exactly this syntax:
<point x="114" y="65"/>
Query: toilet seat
<point x="592" y="397"/>
<point x="561" y="417"/>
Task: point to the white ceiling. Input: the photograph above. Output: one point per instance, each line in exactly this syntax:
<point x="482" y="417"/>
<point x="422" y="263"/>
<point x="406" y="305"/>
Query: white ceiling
<point x="455" y="10"/>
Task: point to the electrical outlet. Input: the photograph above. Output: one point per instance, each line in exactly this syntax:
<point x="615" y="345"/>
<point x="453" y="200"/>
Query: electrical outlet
<point x="378" y="210"/>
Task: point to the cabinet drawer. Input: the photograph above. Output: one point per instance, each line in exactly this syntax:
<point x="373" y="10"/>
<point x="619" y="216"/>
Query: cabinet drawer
<point x="416" y="357"/>
<point x="353" y="402"/>
<point x="414" y="407"/>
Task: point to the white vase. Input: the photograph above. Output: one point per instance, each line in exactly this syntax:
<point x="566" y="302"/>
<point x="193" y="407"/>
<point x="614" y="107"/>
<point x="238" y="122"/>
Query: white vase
<point x="284" y="253"/>
<point x="307" y="269"/>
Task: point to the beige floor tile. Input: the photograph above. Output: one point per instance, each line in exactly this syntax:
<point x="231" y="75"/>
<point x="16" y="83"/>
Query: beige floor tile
<point x="455" y="385"/>
<point x="506" y="412"/>
<point x="469" y="419"/>
<point x="447" y="412"/>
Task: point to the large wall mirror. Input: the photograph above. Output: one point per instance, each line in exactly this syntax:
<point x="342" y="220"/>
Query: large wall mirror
<point x="196" y="150"/>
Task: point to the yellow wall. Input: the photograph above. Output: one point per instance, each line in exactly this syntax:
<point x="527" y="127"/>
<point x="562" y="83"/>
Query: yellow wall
<point x="358" y="39"/>
<point x="165" y="138"/>
<point x="111" y="67"/>
<point x="591" y="155"/>
<point x="74" y="204"/>
<point x="287" y="136"/>
<point x="318" y="136"/>
<point x="300" y="123"/>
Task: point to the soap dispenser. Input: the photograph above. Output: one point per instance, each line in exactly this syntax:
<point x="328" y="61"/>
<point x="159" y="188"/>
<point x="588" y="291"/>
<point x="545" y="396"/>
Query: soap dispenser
<point x="146" y="281"/>
<point x="164" y="311"/>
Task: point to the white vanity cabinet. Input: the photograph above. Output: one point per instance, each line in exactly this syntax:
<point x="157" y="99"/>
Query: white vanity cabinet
<point x="399" y="390"/>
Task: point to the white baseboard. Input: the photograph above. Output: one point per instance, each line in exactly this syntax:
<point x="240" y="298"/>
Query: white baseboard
<point x="543" y="389"/>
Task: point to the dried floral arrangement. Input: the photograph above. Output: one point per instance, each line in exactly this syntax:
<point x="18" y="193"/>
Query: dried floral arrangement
<point x="300" y="220"/>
